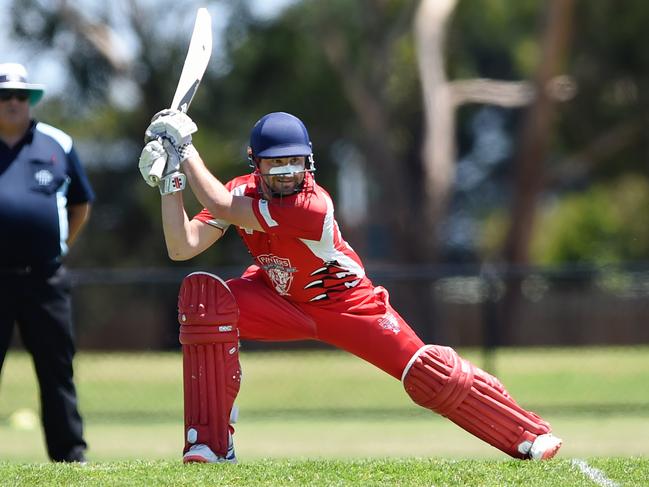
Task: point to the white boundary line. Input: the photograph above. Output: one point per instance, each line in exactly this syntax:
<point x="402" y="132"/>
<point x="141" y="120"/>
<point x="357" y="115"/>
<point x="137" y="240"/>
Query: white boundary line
<point x="593" y="473"/>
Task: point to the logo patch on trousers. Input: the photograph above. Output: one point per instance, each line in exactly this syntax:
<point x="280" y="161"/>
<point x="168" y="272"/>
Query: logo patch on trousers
<point x="389" y="322"/>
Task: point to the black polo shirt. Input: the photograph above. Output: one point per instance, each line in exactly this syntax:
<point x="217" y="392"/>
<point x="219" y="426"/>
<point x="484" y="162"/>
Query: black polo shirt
<point x="39" y="178"/>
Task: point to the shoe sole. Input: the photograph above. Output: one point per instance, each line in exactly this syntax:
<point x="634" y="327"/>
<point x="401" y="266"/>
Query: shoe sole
<point x="548" y="454"/>
<point x="202" y="459"/>
<point x="195" y="459"/>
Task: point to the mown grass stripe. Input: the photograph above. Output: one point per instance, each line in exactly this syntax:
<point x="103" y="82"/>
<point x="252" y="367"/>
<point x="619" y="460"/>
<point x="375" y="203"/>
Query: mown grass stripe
<point x="593" y="473"/>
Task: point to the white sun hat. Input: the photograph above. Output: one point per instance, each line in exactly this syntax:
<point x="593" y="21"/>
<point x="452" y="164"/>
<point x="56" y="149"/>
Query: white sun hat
<point x="13" y="76"/>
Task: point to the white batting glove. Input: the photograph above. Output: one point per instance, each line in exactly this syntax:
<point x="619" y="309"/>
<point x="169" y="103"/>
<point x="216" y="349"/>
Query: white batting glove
<point x="172" y="179"/>
<point x="160" y="166"/>
<point x="152" y="162"/>
<point x="166" y="111"/>
<point x="174" y="182"/>
<point x="176" y="127"/>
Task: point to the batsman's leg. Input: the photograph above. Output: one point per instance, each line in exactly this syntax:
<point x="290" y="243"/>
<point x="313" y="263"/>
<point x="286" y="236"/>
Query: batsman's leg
<point x="208" y="315"/>
<point x="437" y="378"/>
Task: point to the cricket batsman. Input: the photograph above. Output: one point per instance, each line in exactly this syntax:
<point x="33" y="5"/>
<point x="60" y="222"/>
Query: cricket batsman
<point x="306" y="283"/>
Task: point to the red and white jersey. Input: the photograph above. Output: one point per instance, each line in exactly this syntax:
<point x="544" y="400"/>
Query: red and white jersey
<point x="301" y="250"/>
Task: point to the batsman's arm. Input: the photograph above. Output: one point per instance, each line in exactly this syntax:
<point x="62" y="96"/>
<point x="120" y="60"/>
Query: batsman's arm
<point x="184" y="238"/>
<point x="214" y="196"/>
<point x="177" y="128"/>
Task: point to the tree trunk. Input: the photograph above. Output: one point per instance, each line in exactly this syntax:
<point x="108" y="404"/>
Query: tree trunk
<point x="533" y="148"/>
<point x="393" y="209"/>
<point x="438" y="151"/>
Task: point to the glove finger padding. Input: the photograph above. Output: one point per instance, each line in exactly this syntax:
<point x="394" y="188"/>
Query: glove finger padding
<point x="177" y="127"/>
<point x="148" y="135"/>
<point x="162" y="113"/>
<point x="152" y="162"/>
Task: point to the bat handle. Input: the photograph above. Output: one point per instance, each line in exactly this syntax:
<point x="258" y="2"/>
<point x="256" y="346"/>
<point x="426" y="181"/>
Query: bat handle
<point x="157" y="168"/>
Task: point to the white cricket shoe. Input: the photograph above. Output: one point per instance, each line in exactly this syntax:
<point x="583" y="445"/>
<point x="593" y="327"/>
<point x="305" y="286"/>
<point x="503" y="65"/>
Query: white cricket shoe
<point x="545" y="447"/>
<point x="200" y="453"/>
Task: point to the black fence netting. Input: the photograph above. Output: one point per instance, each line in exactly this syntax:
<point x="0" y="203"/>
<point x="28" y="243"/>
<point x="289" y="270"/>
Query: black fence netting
<point x="131" y="309"/>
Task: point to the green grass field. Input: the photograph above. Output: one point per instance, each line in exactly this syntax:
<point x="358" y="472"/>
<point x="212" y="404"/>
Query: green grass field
<point x="326" y="418"/>
<point x="362" y="473"/>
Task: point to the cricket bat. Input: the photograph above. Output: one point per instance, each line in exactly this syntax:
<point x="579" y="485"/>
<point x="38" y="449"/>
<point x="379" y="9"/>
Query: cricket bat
<point x="196" y="61"/>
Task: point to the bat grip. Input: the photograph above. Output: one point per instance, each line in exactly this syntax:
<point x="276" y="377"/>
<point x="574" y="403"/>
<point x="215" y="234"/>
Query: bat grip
<point x="157" y="168"/>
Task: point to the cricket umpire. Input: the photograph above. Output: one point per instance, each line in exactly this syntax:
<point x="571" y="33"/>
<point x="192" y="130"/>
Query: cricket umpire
<point x="45" y="200"/>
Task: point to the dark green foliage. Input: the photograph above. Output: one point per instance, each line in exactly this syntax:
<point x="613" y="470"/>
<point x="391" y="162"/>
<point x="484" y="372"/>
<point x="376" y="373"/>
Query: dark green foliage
<point x="281" y="63"/>
<point x="601" y="225"/>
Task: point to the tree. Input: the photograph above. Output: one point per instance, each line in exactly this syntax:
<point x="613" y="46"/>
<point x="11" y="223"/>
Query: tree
<point x="536" y="131"/>
<point x="441" y="99"/>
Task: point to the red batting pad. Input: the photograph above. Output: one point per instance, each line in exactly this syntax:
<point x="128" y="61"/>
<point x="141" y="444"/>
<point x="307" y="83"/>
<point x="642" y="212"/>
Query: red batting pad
<point x="437" y="378"/>
<point x="204" y="299"/>
<point x="208" y="315"/>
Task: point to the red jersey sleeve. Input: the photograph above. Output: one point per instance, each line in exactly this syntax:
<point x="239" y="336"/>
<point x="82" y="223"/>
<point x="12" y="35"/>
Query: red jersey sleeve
<point x="236" y="185"/>
<point x="204" y="216"/>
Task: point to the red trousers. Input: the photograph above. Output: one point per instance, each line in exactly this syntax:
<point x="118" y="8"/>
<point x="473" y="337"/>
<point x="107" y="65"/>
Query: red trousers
<point x="365" y="324"/>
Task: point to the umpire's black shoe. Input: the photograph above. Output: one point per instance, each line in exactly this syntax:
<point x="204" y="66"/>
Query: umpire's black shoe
<point x="76" y="455"/>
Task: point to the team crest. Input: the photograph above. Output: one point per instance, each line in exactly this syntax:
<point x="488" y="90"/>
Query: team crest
<point x="389" y="322"/>
<point x="279" y="270"/>
<point x="43" y="177"/>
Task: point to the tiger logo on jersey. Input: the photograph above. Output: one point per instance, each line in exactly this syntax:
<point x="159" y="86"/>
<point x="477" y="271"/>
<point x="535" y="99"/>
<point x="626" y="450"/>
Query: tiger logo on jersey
<point x="332" y="279"/>
<point x="279" y="270"/>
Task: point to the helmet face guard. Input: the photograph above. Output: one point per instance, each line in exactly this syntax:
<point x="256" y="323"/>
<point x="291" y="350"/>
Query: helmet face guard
<point x="287" y="170"/>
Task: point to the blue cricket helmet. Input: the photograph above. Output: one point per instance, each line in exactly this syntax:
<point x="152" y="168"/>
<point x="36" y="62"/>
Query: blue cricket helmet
<point x="280" y="134"/>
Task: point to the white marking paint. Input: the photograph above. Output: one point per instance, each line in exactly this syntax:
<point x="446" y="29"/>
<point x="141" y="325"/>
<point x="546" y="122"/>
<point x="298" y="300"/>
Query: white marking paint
<point x="593" y="473"/>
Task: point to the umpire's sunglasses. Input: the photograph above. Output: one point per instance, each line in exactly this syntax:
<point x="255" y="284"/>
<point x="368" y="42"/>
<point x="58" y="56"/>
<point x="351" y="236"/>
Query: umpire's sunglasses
<point x="20" y="95"/>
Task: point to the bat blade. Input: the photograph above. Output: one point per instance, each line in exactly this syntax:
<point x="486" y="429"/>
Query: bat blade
<point x="198" y="56"/>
